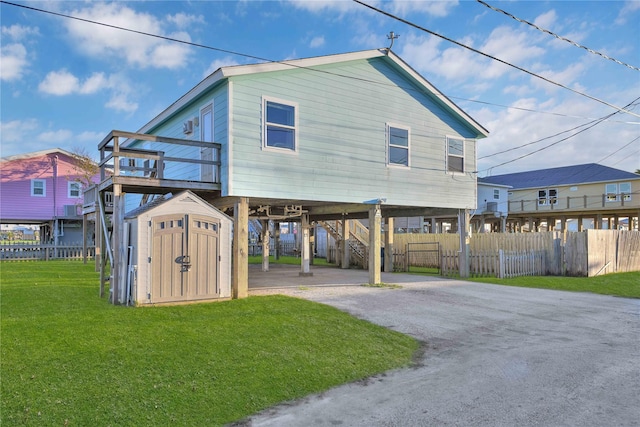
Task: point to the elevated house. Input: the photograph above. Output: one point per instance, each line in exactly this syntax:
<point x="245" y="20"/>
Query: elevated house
<point x="43" y="188"/>
<point x="571" y="197"/>
<point x="332" y="138"/>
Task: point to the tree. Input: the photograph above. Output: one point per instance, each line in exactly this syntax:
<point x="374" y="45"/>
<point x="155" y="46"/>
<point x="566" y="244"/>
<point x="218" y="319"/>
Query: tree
<point x="84" y="166"/>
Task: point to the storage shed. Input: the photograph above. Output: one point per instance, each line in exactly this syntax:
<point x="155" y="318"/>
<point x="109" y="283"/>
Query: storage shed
<point x="178" y="250"/>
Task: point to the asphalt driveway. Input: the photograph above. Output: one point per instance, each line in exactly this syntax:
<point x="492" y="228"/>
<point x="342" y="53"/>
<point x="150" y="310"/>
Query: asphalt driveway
<point x="493" y="356"/>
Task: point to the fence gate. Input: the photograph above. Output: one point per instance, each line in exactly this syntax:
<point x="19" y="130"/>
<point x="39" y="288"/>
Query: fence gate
<point x="424" y="254"/>
<point x="185" y="258"/>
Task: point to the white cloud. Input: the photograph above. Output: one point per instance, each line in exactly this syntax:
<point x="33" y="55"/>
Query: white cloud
<point x="317" y="41"/>
<point x="183" y="20"/>
<point x="17" y="130"/>
<point x="120" y="102"/>
<point x="13" y="61"/>
<point x="139" y="50"/>
<point x="227" y="61"/>
<point x="629" y="8"/>
<point x="546" y="20"/>
<point x="19" y="32"/>
<point x="64" y="83"/>
<point x="55" y="136"/>
<point x="433" y="8"/>
<point x="399" y="7"/>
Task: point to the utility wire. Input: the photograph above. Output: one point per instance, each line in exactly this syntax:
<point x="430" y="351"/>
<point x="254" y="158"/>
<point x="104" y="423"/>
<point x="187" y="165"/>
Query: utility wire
<point x="558" y="36"/>
<point x="404" y="21"/>
<point x="596" y="121"/>
<point x="269" y="60"/>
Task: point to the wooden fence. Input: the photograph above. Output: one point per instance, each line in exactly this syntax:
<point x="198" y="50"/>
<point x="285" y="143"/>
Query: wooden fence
<point x="43" y="252"/>
<point x="585" y="253"/>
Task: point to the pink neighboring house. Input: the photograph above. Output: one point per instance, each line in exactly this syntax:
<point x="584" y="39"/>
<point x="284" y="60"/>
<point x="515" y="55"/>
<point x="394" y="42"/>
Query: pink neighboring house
<point x="43" y="188"/>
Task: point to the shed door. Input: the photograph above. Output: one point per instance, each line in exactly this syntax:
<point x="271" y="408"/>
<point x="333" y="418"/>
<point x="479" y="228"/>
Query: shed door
<point x="184" y="260"/>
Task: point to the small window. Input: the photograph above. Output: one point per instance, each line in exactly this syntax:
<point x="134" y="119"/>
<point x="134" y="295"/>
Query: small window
<point x="625" y="191"/>
<point x="455" y="155"/>
<point x="496" y="194"/>
<point x="279" y="125"/>
<point x="397" y="145"/>
<point x="38" y="187"/>
<point x="74" y="190"/>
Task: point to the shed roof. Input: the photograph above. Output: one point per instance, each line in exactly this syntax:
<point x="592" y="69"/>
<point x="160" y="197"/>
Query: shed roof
<point x="308" y="63"/>
<point x="566" y="175"/>
<point x="37" y="154"/>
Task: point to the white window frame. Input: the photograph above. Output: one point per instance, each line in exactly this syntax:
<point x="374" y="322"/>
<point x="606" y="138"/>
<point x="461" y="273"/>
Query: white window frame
<point x="625" y="195"/>
<point x="496" y="194"/>
<point x="545" y="198"/>
<point x="457" y="138"/>
<point x="389" y="126"/>
<point x="70" y="188"/>
<point x="44" y="188"/>
<point x="265" y="124"/>
<point x="611" y="192"/>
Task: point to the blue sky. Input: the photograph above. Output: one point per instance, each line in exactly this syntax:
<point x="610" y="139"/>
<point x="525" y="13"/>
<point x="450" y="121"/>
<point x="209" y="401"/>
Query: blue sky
<point x="66" y="83"/>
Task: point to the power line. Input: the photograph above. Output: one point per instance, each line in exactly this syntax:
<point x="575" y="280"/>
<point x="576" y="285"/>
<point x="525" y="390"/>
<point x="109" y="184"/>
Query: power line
<point x="595" y="123"/>
<point x="558" y="36"/>
<point x="404" y="21"/>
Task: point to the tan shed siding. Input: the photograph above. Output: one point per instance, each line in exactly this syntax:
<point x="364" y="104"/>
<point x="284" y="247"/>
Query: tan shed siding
<point x="342" y="139"/>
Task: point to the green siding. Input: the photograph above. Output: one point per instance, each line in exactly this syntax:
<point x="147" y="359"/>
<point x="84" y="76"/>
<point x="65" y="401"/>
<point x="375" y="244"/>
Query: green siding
<point x="341" y="139"/>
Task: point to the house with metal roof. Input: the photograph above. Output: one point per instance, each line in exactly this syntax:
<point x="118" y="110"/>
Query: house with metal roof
<point x="572" y="197"/>
<point x="339" y="137"/>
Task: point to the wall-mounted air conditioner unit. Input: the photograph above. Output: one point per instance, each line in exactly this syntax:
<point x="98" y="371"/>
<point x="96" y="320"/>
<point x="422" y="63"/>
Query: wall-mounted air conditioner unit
<point x="187" y="127"/>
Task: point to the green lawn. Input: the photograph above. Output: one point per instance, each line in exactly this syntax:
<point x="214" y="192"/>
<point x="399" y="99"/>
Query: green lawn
<point x="290" y="260"/>
<point x="619" y="284"/>
<point x="71" y="358"/>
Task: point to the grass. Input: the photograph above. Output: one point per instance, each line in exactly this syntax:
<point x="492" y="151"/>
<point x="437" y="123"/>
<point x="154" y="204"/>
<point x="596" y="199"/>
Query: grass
<point x="288" y="260"/>
<point x="619" y="284"/>
<point x="70" y="358"/>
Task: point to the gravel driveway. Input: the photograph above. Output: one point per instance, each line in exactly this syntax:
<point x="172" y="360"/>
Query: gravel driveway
<point x="494" y="356"/>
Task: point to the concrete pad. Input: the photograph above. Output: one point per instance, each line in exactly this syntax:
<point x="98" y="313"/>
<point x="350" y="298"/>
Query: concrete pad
<point x="494" y="355"/>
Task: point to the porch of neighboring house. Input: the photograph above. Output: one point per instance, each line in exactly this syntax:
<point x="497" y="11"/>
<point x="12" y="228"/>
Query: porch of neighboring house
<point x="148" y="173"/>
<point x="574" y="214"/>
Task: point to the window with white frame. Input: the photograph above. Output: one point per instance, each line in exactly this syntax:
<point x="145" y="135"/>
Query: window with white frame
<point x="548" y="196"/>
<point x="38" y="187"/>
<point x="74" y="190"/>
<point x="611" y="190"/>
<point x="279" y="131"/>
<point x="618" y="191"/>
<point x="397" y="145"/>
<point x="625" y="191"/>
<point x="455" y="154"/>
<point x="496" y="194"/>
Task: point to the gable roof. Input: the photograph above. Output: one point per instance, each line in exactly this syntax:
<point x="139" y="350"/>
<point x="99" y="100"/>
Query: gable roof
<point x="308" y="63"/>
<point x="566" y="175"/>
<point x="40" y="153"/>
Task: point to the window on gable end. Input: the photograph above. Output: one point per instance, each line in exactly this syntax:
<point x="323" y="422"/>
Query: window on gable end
<point x="397" y="145"/>
<point x="280" y="120"/>
<point x="625" y="191"/>
<point x="455" y="154"/>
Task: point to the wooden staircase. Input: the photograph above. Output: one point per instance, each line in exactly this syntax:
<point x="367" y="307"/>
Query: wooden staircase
<point x="358" y="240"/>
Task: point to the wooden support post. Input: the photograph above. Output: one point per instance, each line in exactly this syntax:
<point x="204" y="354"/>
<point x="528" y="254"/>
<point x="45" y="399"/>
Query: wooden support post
<point x="375" y="220"/>
<point x="305" y="247"/>
<point x="265" y="244"/>
<point x="598" y="222"/>
<point x="84" y="238"/>
<point x="434" y="225"/>
<point x="388" y="246"/>
<point x="503" y="224"/>
<point x="240" y="274"/>
<point x="345" y="243"/>
<point x="463" y="230"/>
<point x="116" y="243"/>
